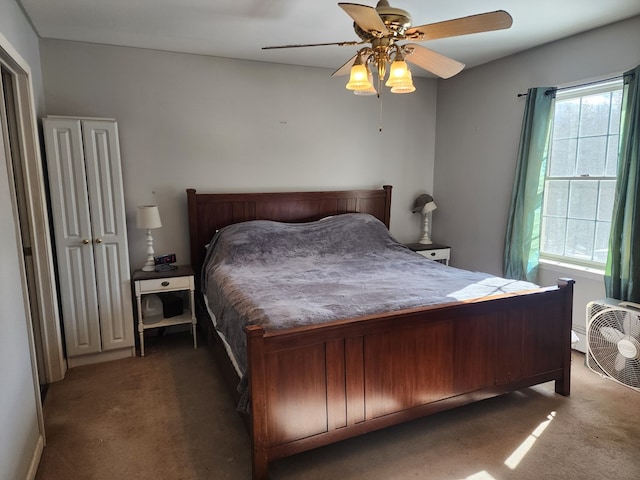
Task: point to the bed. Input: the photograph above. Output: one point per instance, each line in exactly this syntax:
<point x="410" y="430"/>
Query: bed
<point x="306" y="384"/>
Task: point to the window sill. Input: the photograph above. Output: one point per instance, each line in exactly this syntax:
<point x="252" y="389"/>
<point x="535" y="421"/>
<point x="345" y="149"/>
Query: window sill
<point x="570" y="269"/>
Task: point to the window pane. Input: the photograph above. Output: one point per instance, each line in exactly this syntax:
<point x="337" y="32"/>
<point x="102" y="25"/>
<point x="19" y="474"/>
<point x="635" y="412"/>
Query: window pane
<point x="562" y="161"/>
<point x="592" y="153"/>
<point x="556" y="195"/>
<point x="601" y="247"/>
<point x="553" y="235"/>
<point x="566" y="118"/>
<point x="580" y="239"/>
<point x="579" y="185"/>
<point x="583" y="199"/>
<point x="616" y="108"/>
<point x="611" y="170"/>
<point x="605" y="202"/>
<point x="594" y="115"/>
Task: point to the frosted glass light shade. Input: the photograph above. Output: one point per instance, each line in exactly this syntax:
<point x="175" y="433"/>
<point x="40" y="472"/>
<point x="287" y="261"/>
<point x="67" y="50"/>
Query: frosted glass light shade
<point x="398" y="74"/>
<point x="369" y="91"/>
<point x="148" y="217"/>
<point x="359" y="78"/>
<point x="404" y="87"/>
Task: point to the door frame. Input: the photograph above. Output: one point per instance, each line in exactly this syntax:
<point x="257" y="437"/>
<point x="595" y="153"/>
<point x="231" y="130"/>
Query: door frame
<point x="55" y="364"/>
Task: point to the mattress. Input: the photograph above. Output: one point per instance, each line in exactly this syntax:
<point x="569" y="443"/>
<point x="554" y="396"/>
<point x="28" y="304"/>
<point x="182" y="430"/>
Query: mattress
<point x="281" y="275"/>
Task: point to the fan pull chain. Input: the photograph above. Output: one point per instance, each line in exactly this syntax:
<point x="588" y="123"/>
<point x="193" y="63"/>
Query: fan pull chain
<point x="380" y="123"/>
<point x="380" y="102"/>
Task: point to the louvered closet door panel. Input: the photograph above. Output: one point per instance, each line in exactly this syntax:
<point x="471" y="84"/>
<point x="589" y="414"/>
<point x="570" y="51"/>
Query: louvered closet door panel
<point x="106" y="198"/>
<point x="73" y="237"/>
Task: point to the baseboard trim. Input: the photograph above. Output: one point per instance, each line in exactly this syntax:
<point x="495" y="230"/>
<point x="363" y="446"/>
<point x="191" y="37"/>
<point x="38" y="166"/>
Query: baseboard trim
<point x="91" y="358"/>
<point x="35" y="459"/>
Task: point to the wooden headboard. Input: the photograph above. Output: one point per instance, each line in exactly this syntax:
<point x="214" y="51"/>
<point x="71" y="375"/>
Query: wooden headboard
<point x="208" y="212"/>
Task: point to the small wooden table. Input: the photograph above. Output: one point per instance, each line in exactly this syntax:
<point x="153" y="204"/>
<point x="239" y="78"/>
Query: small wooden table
<point x="178" y="280"/>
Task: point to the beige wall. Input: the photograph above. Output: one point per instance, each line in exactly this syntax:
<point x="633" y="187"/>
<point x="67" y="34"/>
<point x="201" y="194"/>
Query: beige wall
<point x="230" y="125"/>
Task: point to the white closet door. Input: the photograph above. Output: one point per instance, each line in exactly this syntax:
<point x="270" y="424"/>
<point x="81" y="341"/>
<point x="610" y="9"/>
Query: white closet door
<point x="108" y="222"/>
<point x="73" y="236"/>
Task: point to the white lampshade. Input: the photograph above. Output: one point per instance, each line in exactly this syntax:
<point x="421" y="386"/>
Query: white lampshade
<point x="429" y="207"/>
<point x="148" y="217"/>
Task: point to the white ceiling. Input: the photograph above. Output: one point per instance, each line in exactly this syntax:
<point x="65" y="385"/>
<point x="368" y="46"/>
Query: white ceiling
<point x="239" y="28"/>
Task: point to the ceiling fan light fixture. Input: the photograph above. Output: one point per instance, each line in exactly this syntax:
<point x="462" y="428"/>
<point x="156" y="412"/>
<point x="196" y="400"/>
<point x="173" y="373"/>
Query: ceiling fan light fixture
<point x="398" y="74"/>
<point x="359" y="78"/>
<point x="404" y="88"/>
<point x="369" y="91"/>
<point x="383" y="27"/>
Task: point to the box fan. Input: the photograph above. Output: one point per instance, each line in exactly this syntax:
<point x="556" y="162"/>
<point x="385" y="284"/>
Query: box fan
<point x="613" y="341"/>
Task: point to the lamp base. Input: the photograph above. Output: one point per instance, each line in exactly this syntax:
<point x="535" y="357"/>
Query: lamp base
<point x="425" y="239"/>
<point x="150" y="265"/>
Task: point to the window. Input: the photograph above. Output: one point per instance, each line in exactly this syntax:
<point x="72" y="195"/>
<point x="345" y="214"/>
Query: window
<point x="581" y="174"/>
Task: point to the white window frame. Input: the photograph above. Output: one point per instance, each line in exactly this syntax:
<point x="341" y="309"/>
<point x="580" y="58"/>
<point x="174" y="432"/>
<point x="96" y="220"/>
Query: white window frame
<point x="565" y="94"/>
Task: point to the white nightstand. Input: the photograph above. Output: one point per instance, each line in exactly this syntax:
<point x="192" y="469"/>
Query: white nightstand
<point x="178" y="280"/>
<point x="434" y="251"/>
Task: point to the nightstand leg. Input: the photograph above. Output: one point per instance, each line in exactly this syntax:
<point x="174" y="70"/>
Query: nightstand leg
<point x="140" y="325"/>
<point x="193" y="319"/>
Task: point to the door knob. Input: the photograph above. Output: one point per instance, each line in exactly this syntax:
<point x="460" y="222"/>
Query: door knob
<point x="98" y="240"/>
<point x="85" y="241"/>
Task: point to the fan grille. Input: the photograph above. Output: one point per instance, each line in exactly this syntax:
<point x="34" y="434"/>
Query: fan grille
<point x="613" y="340"/>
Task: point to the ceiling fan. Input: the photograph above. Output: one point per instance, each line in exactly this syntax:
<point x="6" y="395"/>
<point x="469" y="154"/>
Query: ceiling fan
<point x="383" y="27"/>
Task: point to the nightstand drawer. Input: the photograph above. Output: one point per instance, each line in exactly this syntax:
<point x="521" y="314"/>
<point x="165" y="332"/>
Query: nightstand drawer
<point x="168" y="284"/>
<point x="439" y="254"/>
<point x="432" y="251"/>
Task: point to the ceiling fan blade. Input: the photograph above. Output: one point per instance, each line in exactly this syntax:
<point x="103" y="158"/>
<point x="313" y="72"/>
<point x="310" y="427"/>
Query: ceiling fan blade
<point x="340" y="44"/>
<point x="365" y="17"/>
<point x="346" y="68"/>
<point x="433" y="62"/>
<point x="483" y="22"/>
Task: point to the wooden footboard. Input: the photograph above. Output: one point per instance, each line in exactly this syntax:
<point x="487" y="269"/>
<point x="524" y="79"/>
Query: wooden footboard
<point x="316" y="385"/>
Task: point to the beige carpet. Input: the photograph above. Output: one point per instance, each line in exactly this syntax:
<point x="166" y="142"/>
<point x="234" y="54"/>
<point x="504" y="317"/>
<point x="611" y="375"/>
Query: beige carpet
<point x="167" y="416"/>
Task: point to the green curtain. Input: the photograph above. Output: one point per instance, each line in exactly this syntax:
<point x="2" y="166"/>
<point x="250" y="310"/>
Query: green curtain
<point x="622" y="273"/>
<point x="522" y="239"/>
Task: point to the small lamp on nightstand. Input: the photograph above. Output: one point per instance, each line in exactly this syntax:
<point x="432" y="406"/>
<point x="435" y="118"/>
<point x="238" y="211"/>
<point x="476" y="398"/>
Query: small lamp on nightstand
<point x="425" y="205"/>
<point x="148" y="217"/>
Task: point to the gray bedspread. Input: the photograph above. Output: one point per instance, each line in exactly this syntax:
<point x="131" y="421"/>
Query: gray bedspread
<point x="281" y="275"/>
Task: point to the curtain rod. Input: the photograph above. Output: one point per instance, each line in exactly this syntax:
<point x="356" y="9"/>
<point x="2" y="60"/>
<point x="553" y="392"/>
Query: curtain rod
<point x="559" y="89"/>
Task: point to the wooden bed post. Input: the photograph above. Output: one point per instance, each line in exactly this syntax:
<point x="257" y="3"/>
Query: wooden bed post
<point x="192" y="208"/>
<point x="563" y="387"/>
<point x="387" y="205"/>
<point x="258" y="395"/>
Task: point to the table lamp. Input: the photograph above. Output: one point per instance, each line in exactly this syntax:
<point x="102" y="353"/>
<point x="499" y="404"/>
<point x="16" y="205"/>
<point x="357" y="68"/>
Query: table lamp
<point x="424" y="204"/>
<point x="148" y="217"/>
